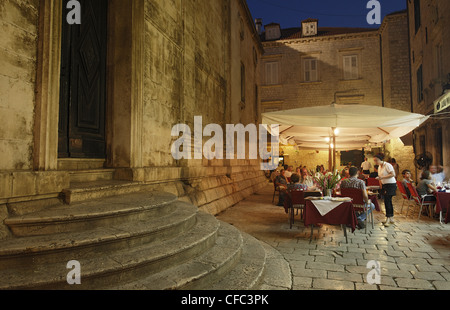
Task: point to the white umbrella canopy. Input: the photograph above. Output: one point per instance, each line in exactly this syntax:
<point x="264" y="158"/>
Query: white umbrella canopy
<point x="358" y="125"/>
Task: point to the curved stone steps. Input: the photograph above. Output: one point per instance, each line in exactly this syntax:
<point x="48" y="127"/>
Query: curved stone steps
<point x="109" y="211"/>
<point x="248" y="272"/>
<point x="119" y="266"/>
<point x="28" y="252"/>
<point x="201" y="271"/>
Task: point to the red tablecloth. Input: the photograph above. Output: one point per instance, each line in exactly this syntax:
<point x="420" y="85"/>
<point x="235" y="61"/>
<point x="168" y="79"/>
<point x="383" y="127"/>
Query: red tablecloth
<point x="443" y="203"/>
<point x="342" y="215"/>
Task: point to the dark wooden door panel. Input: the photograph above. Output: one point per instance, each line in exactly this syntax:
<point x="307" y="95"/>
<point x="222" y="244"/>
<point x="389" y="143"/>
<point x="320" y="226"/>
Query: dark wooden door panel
<point x="85" y="102"/>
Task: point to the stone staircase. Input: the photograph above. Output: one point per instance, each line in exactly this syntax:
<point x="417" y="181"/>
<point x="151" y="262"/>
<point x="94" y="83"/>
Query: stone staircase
<point x="128" y="238"/>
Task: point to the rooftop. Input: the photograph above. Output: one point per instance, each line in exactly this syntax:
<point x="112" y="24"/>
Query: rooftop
<point x="296" y="33"/>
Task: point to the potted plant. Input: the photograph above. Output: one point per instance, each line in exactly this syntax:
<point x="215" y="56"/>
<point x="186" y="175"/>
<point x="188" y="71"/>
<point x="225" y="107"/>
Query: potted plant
<point x="328" y="182"/>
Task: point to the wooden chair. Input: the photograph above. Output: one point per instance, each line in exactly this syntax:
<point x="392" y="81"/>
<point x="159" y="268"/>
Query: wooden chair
<point x="296" y="201"/>
<point x="275" y="190"/>
<point x="407" y="199"/>
<point x="420" y="201"/>
<point x="358" y="203"/>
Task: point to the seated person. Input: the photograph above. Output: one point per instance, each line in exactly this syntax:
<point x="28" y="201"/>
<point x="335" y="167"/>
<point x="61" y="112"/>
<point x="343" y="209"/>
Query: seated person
<point x="374" y="174"/>
<point x="426" y="187"/>
<point x="306" y="179"/>
<point x="289" y="172"/>
<point x="407" y="179"/>
<point x="295" y="183"/>
<point x="281" y="183"/>
<point x="437" y="174"/>
<point x="354" y="182"/>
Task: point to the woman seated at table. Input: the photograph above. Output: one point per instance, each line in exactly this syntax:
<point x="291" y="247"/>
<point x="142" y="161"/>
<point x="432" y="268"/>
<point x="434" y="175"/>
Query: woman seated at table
<point x="295" y="183"/>
<point x="426" y="187"/>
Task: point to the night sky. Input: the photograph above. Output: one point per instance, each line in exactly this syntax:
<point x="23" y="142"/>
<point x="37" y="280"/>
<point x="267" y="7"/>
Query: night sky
<point x="331" y="13"/>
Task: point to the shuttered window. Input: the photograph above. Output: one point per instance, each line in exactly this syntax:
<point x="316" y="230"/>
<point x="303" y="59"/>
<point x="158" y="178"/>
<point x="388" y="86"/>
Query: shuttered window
<point x="351" y="67"/>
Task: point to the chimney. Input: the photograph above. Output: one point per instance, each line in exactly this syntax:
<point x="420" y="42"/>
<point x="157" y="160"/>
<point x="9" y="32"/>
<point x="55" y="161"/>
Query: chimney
<point x="258" y="23"/>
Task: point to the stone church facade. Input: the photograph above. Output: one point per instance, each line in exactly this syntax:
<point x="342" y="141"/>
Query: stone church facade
<point x="87" y="112"/>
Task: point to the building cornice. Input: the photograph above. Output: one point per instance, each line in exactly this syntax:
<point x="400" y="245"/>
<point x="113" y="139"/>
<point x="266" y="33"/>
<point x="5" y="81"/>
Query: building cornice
<point x="348" y="36"/>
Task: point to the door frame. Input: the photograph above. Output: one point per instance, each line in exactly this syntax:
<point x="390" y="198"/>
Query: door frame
<point x="125" y="84"/>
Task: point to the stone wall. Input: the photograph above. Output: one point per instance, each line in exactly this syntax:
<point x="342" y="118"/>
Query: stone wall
<point x="18" y="43"/>
<point x="432" y="33"/>
<point x="293" y="92"/>
<point x="395" y="58"/>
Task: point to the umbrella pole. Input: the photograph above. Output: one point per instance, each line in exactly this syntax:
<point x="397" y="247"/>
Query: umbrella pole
<point x="330" y="158"/>
<point x="334" y="150"/>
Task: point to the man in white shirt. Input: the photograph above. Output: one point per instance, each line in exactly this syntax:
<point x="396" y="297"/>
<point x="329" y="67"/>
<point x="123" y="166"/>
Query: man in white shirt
<point x="366" y="166"/>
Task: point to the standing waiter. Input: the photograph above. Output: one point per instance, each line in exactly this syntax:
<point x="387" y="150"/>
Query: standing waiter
<point x="366" y="166"/>
<point x="386" y="175"/>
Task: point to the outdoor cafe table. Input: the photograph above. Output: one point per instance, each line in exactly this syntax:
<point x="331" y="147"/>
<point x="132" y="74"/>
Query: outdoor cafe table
<point x="443" y="203"/>
<point x="342" y="214"/>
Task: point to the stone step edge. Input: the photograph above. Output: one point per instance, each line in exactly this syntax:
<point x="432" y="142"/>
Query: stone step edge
<point x="95" y="270"/>
<point x="204" y="269"/>
<point x="39" y="245"/>
<point x="40" y="217"/>
<point x="97" y="190"/>
<point x="249" y="271"/>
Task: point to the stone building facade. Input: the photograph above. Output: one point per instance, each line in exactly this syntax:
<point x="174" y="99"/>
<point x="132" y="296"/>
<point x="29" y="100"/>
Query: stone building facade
<point x="316" y="66"/>
<point x="164" y="63"/>
<point x="430" y="76"/>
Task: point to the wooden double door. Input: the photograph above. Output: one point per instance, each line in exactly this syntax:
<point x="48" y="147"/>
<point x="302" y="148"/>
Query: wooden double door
<point x="82" y="117"/>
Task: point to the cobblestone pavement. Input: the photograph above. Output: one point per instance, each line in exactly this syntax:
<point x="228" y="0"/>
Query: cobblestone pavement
<point x="412" y="254"/>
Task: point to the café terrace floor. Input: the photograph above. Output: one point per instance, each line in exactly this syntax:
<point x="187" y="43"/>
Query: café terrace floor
<point x="413" y="254"/>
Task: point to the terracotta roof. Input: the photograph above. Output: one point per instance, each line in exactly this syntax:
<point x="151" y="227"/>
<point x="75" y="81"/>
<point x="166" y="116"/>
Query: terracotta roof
<point x="296" y="33"/>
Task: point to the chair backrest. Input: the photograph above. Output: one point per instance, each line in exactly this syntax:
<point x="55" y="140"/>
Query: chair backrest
<point x="297" y="196"/>
<point x="373" y="182"/>
<point x="354" y="193"/>
<point x="402" y="189"/>
<point x="414" y="193"/>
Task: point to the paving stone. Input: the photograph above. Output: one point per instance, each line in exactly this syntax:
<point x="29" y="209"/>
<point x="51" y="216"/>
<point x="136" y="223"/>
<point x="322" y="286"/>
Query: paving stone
<point x="427" y="267"/>
<point x="298" y="257"/>
<point x="328" y="284"/>
<point x="324" y="266"/>
<point x="428" y="275"/>
<point x="324" y="259"/>
<point x="442" y="285"/>
<point x="301" y="283"/>
<point x="394" y="253"/>
<point x="416" y="254"/>
<point x="309" y="273"/>
<point x="366" y="287"/>
<point x="353" y="255"/>
<point x="357" y="269"/>
<point x="395" y="273"/>
<point x="413" y="261"/>
<point x="414" y="283"/>
<point x="388" y="281"/>
<point x="446" y="275"/>
<point x="345" y="261"/>
<point x="345" y="276"/>
<point x="390" y="288"/>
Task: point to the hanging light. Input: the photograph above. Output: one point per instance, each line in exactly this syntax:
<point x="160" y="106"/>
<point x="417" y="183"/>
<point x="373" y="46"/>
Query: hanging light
<point x="336" y="131"/>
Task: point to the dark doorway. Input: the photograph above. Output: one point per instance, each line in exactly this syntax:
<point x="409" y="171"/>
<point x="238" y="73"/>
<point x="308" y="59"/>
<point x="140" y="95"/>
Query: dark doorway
<point x="83" y="83"/>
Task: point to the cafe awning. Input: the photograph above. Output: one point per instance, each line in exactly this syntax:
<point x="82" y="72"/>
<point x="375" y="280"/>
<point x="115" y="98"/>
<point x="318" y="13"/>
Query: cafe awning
<point x="356" y="125"/>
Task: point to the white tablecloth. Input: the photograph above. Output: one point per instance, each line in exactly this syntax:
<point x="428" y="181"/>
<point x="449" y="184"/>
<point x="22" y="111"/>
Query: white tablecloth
<point x="326" y="206"/>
